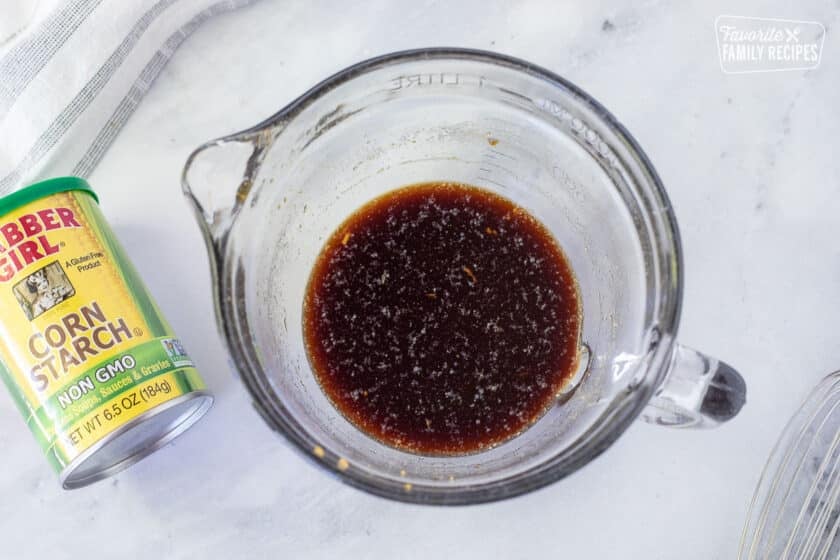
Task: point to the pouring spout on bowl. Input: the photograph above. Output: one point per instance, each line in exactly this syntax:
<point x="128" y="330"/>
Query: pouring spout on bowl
<point x="219" y="175"/>
<point x="217" y="180"/>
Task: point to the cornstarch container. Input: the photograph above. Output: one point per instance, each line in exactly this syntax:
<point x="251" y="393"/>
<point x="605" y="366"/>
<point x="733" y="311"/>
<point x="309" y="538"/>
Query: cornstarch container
<point x="93" y="366"/>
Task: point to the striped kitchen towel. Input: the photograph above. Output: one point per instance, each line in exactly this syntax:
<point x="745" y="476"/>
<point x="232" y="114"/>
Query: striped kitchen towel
<point x="73" y="71"/>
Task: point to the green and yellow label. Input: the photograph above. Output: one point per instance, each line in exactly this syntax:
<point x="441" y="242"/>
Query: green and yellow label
<point x="83" y="347"/>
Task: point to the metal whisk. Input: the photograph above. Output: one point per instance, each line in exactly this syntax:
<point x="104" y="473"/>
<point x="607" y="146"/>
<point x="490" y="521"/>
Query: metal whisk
<point x="795" y="512"/>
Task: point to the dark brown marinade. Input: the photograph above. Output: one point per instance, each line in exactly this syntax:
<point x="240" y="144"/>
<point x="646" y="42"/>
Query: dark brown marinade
<point x="442" y="319"/>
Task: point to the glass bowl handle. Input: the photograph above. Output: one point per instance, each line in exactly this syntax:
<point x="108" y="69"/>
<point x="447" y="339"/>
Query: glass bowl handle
<point x="698" y="392"/>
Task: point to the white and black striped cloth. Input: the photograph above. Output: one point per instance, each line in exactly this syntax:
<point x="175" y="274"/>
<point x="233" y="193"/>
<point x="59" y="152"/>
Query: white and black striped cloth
<point x="71" y="79"/>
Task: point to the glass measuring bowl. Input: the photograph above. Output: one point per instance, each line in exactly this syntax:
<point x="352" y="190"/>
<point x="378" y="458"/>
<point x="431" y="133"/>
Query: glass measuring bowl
<point x="268" y="197"/>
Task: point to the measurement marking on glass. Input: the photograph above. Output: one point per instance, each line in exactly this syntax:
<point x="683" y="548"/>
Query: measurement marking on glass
<point x="498" y="153"/>
<point x="489" y="180"/>
<point x="517" y="95"/>
<point x="500" y="166"/>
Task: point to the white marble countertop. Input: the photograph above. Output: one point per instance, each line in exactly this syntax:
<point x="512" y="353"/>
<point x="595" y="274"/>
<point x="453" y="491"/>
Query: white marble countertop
<point x="750" y="164"/>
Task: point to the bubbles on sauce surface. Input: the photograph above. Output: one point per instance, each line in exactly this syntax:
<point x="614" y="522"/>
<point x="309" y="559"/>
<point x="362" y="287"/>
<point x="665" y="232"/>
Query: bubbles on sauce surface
<point x="442" y="319"/>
